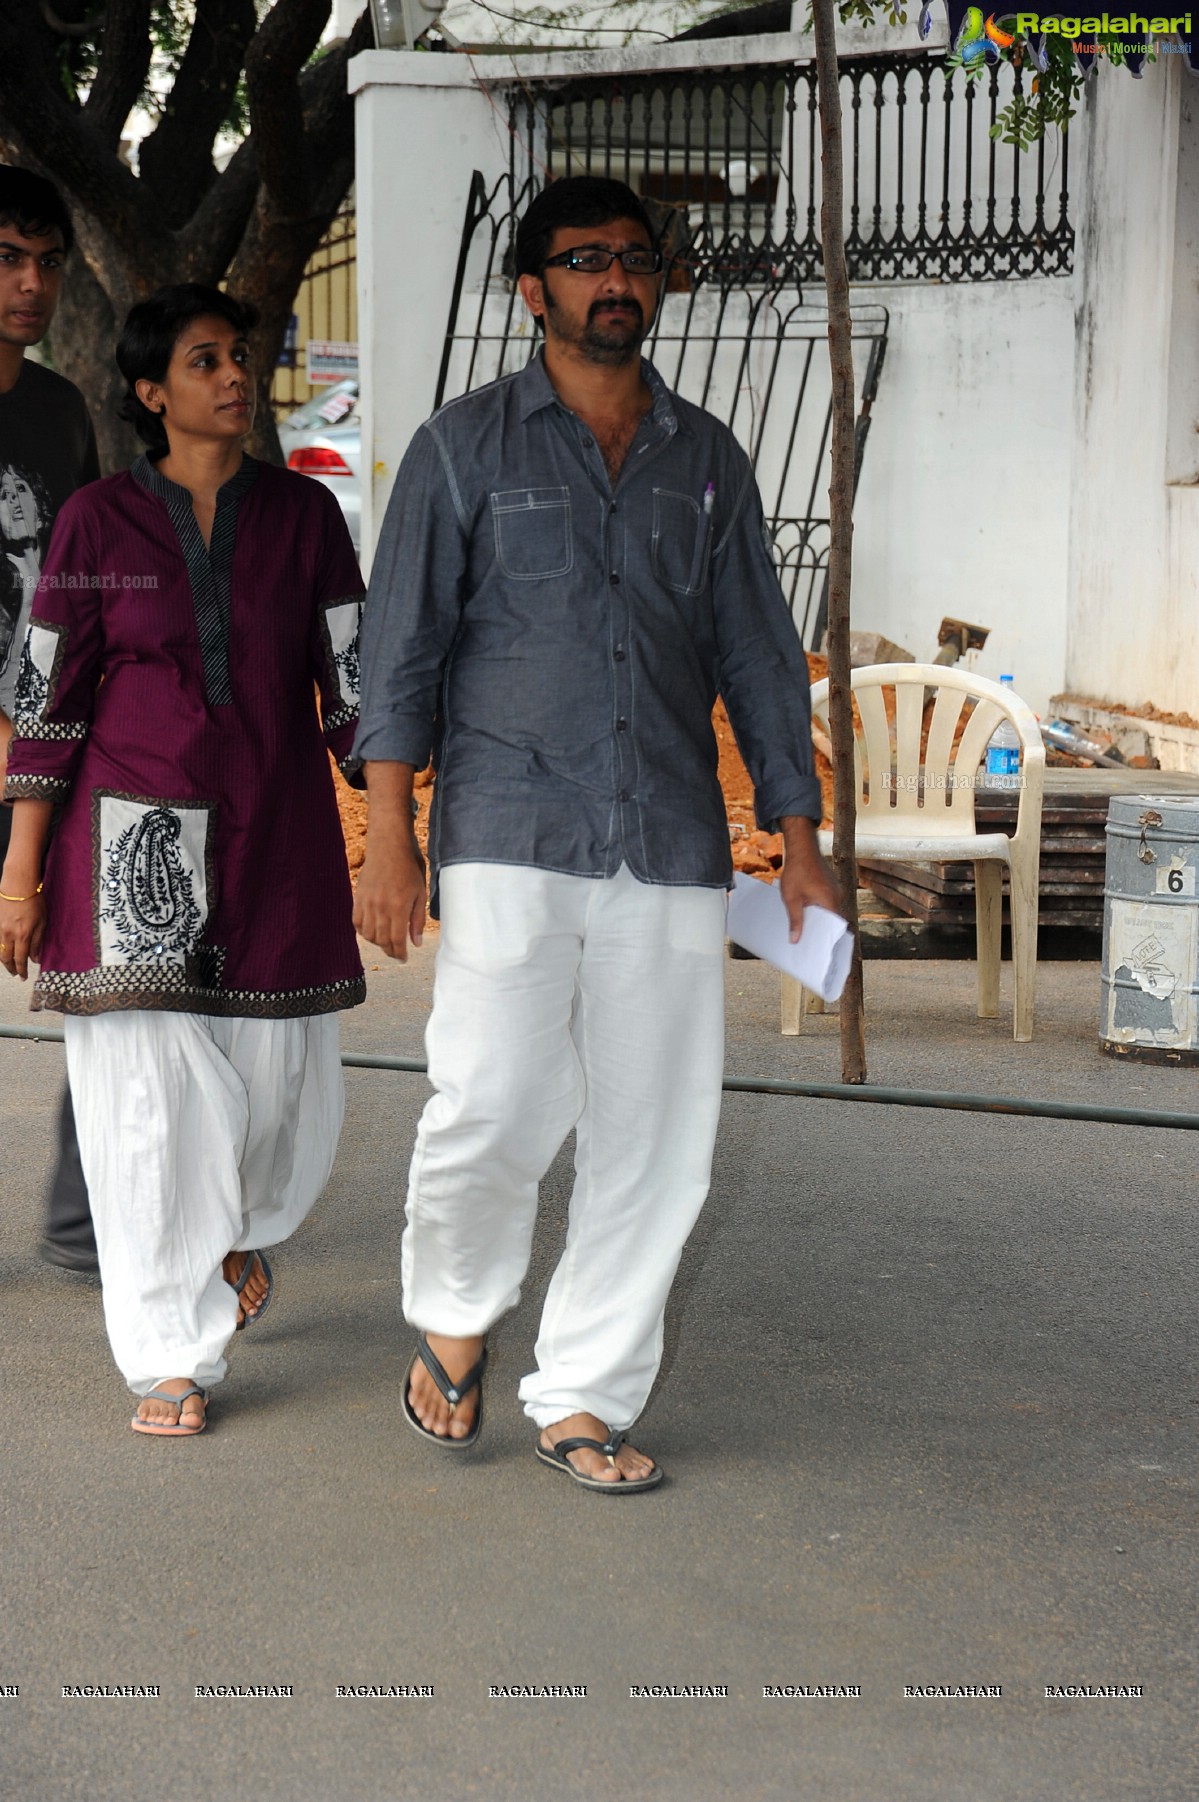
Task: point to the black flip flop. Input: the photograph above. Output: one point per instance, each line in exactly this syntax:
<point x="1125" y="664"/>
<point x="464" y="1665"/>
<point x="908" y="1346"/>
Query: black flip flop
<point x="453" y="1393"/>
<point x="555" y="1456"/>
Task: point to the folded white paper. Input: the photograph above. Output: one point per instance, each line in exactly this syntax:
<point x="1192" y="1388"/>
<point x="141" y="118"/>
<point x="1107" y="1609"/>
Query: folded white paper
<point x="758" y="922"/>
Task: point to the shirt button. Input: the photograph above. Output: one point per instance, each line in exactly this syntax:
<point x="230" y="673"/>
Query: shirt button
<point x="618" y="655"/>
<point x="622" y="725"/>
<point x="612" y="507"/>
<point x="614" y="579"/>
<point x="624" y="795"/>
<point x="587" y="443"/>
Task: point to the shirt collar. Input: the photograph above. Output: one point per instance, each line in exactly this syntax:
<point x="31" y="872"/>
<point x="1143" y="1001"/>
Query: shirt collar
<point x="153" y="481"/>
<point x="537" y="391"/>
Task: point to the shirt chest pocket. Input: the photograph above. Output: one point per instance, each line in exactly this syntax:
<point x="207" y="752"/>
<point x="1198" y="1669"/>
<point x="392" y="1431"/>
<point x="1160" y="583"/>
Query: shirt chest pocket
<point x="532" y="532"/>
<point x="682" y="537"/>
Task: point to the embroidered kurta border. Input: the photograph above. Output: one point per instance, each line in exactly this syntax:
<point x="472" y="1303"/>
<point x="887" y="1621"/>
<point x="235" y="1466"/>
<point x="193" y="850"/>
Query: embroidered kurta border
<point x="36" y="788"/>
<point x="169" y="987"/>
<point x="51" y="731"/>
<point x="345" y="716"/>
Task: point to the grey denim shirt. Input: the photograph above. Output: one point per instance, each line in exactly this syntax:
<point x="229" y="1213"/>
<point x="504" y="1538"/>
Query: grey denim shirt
<point x="557" y="645"/>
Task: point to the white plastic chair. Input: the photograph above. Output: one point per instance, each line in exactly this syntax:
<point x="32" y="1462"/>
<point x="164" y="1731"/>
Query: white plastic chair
<point x="919" y="806"/>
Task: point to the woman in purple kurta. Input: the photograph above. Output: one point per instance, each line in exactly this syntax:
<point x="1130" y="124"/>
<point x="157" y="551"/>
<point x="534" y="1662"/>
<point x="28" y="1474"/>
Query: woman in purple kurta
<point x="197" y="929"/>
<point x="198" y="863"/>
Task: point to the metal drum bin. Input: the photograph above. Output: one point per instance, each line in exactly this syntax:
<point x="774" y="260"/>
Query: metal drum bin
<point x="1150" y="1008"/>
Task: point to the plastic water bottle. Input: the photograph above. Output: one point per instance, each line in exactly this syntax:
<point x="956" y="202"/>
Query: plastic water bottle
<point x="1002" y="762"/>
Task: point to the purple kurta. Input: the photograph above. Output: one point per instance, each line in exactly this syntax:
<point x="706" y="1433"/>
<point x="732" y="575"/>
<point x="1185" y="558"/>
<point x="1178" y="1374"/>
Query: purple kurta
<point x="166" y="698"/>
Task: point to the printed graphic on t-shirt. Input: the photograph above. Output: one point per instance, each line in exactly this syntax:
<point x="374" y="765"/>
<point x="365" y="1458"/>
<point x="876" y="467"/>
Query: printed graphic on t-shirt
<point x="25" y="519"/>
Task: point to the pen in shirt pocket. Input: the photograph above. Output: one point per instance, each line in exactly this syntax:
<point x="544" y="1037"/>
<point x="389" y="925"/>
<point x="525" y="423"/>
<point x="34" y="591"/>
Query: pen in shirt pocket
<point x="709" y="497"/>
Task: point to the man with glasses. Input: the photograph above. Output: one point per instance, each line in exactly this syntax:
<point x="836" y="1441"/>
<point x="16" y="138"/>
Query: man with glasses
<point x="573" y="564"/>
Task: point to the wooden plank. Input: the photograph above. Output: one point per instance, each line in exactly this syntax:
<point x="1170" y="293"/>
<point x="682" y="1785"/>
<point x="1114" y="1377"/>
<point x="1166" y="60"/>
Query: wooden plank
<point x="920" y="894"/>
<point x="1073" y="848"/>
<point x="958" y="878"/>
<point x="937" y="910"/>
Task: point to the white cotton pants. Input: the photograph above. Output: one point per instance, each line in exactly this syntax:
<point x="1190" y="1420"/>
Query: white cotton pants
<point x="564" y="1002"/>
<point x="199" y="1136"/>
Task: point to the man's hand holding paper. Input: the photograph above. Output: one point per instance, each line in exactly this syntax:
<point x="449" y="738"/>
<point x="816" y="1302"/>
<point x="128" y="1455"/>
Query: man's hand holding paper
<point x="762" y="920"/>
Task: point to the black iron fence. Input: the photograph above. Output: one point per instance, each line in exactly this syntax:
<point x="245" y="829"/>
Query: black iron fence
<point x="734" y="156"/>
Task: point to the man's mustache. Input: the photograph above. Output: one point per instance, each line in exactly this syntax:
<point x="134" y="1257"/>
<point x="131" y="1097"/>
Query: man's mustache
<point x="632" y="307"/>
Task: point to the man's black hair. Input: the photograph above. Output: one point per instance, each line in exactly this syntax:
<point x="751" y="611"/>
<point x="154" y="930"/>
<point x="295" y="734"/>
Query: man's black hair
<point x="574" y="200"/>
<point x="33" y="206"/>
<point x="151" y="333"/>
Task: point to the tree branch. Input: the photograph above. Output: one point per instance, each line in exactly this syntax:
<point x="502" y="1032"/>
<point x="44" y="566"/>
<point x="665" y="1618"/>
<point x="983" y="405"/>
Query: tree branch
<point x="256" y="224"/>
<point x="327" y="107"/>
<point x="96" y="184"/>
<point x="208" y="242"/>
<point x="286" y="39"/>
<point x="176" y="159"/>
<point x="38" y="37"/>
<point x="122" y="69"/>
<point x="60" y="25"/>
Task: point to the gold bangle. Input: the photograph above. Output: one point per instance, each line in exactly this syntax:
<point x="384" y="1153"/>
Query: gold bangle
<point x="37" y="891"/>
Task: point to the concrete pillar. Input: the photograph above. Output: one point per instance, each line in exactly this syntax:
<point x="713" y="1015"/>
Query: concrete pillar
<point x="423" y="125"/>
<point x="1134" y="519"/>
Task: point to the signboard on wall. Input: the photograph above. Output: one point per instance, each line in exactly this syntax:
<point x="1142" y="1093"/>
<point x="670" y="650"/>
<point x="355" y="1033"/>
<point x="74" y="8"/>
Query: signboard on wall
<point x="329" y="361"/>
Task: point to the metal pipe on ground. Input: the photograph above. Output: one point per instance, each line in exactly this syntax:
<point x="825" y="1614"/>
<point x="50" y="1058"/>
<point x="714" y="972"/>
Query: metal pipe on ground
<point x="815" y="1091"/>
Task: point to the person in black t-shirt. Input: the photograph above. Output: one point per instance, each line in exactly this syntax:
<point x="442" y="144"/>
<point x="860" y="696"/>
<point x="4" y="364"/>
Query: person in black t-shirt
<point x="47" y="450"/>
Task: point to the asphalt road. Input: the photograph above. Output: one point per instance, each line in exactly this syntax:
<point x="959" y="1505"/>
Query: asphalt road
<point x="928" y="1410"/>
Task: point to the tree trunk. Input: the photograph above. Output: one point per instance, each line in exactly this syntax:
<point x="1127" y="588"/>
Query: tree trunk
<point x="840" y="340"/>
<point x="252" y="226"/>
<point x="82" y="341"/>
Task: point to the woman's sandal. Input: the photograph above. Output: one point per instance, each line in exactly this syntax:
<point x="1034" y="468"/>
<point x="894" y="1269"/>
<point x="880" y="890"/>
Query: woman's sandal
<point x="244" y="1278"/>
<point x="162" y="1429"/>
<point x="453" y="1393"/>
<point x="556" y="1457"/>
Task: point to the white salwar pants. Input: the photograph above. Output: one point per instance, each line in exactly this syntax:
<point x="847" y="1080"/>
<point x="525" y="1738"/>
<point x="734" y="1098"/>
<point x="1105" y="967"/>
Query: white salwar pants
<point x="561" y="1002"/>
<point x="199" y="1136"/>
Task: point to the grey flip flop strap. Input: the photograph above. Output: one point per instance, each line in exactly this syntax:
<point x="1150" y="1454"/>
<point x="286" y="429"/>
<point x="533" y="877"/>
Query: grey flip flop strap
<point x="158" y="1394"/>
<point x="453" y="1392"/>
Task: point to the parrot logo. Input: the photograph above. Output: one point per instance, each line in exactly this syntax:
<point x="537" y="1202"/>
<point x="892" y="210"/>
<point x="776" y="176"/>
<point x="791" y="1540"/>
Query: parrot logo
<point x="981" y="39"/>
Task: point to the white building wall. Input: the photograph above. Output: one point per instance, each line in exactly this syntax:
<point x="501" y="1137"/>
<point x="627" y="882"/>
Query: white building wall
<point x="1133" y="633"/>
<point x="965" y="487"/>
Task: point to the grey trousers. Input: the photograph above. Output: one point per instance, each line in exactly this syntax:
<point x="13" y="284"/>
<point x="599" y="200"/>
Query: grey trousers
<point x="68" y="1216"/>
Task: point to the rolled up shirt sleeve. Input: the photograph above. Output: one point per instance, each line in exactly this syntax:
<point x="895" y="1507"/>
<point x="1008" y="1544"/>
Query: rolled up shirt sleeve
<point x="763" y="672"/>
<point x="413" y="608"/>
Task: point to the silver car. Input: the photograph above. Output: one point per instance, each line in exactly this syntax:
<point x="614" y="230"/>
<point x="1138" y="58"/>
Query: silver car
<point x="323" y="439"/>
